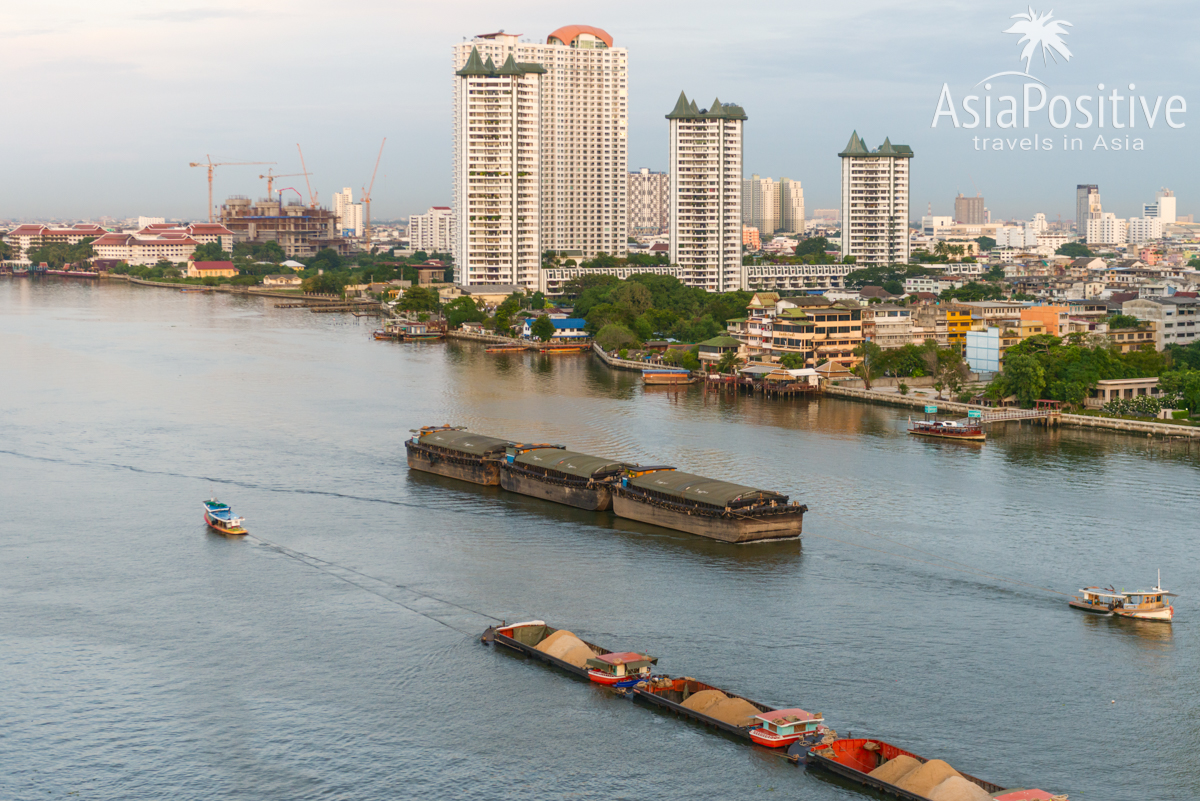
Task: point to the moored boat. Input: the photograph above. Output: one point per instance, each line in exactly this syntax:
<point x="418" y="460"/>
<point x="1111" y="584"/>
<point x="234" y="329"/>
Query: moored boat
<point x="667" y="376"/>
<point x="457" y="453"/>
<point x="220" y="517"/>
<point x="383" y="334"/>
<point x="856" y="759"/>
<point x="720" y="510"/>
<point x="554" y="474"/>
<point x="620" y="670"/>
<point x="782" y="727"/>
<point x="968" y="429"/>
<point x="525" y="638"/>
<point x="20" y="270"/>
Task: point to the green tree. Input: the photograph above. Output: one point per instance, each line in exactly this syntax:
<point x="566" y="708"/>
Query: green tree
<point x="419" y="298"/>
<point x="6" y="250"/>
<point x="1024" y="377"/>
<point x="325" y="284"/>
<point x="463" y="310"/>
<point x="538" y="301"/>
<point x="1123" y="321"/>
<point x="869" y="368"/>
<point x="986" y="243"/>
<point x="1185" y="384"/>
<point x="615" y="336"/>
<point x="729" y="361"/>
<point x="813" y="246"/>
<point x="792" y="361"/>
<point x="210" y="251"/>
<point x="1076" y="250"/>
<point x="542" y="328"/>
<point x="687" y="359"/>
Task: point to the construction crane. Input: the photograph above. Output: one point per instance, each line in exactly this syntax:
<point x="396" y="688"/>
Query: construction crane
<point x="271" y="180"/>
<point x="210" y="164"/>
<point x="312" y="199"/>
<point x="367" y="197"/>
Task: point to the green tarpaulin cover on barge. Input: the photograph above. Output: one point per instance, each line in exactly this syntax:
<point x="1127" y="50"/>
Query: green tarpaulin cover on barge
<point x="691" y="487"/>
<point x="573" y="464"/>
<point x="464" y="441"/>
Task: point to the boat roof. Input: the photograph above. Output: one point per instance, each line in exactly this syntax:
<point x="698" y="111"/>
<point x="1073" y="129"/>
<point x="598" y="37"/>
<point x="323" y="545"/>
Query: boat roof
<point x="698" y="488"/>
<point x="788" y="716"/>
<point x="1155" y="591"/>
<point x="464" y="441"/>
<point x="1102" y="593"/>
<point x="1025" y="795"/>
<point x="570" y="462"/>
<point x="625" y="657"/>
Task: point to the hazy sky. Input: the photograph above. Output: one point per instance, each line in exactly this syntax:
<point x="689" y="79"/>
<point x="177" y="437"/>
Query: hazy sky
<point x="106" y="103"/>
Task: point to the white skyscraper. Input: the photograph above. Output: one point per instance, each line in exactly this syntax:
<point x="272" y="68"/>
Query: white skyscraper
<point x="582" y="124"/>
<point x="1105" y="228"/>
<point x="349" y="213"/>
<point x="706" y="194"/>
<point x="791" y="206"/>
<point x="1163" y="207"/>
<point x="1144" y="229"/>
<point x="875" y="202"/>
<point x="497" y="113"/>
<point x="433" y="231"/>
<point x="647" y="196"/>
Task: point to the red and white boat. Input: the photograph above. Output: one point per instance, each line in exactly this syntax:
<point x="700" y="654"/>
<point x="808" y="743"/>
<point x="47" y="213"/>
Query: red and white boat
<point x="782" y="727"/>
<point x="623" y="669"/>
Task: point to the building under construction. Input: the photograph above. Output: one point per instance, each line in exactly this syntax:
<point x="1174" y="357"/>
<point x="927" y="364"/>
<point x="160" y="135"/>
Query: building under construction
<point x="300" y="230"/>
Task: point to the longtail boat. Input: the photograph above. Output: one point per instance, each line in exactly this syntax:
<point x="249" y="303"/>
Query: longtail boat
<point x="720" y="510"/>
<point x="554" y="474"/>
<point x="457" y="453"/>
<point x="966" y="430"/>
<point x="667" y="376"/>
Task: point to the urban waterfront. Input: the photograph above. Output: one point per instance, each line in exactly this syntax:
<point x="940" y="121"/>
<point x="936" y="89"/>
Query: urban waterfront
<point x="144" y="657"/>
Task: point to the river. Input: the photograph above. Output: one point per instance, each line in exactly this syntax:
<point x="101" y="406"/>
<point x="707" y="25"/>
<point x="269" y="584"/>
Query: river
<point x="335" y="654"/>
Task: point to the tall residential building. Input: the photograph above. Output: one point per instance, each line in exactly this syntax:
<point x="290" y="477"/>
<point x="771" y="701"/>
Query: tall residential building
<point x="349" y="214"/>
<point x="1144" y="229"/>
<point x="875" y="202"/>
<point x="706" y="194"/>
<point x="791" y="206"/>
<point x="647" y="195"/>
<point x="1085" y="196"/>
<point x="1105" y="228"/>
<point x="969" y="210"/>
<point x="760" y="204"/>
<point x="497" y="153"/>
<point x="433" y="231"/>
<point x="582" y="131"/>
<point x="1163" y="207"/>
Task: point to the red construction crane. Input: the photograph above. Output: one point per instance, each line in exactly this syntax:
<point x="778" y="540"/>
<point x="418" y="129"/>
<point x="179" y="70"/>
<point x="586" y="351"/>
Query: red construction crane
<point x="312" y="199"/>
<point x="210" y="164"/>
<point x="271" y="180"/>
<point x="367" y="197"/>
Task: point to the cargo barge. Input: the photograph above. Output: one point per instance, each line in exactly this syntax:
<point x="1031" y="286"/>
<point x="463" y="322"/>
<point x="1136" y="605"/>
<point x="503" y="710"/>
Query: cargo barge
<point x="525" y="637"/>
<point x="720" y="510"/>
<point x="856" y="759"/>
<point x="553" y="473"/>
<point x="457" y="453"/>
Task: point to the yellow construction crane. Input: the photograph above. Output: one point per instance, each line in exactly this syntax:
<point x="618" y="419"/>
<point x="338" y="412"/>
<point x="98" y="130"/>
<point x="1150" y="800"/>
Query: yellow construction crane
<point x="367" y="197"/>
<point x="272" y="176"/>
<point x="210" y="164"/>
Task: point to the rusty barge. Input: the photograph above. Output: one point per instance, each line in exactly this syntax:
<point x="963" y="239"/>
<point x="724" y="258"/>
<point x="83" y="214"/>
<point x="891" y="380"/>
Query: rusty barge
<point x="457" y="453"/>
<point x="552" y="473"/>
<point x="720" y="510"/>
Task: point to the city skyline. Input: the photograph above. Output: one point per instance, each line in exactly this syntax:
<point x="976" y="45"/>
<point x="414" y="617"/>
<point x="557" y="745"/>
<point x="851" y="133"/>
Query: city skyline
<point x="788" y="68"/>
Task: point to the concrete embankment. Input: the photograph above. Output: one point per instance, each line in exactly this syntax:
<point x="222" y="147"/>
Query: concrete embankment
<point x="619" y="364"/>
<point x="1149" y="427"/>
<point x="491" y="339"/>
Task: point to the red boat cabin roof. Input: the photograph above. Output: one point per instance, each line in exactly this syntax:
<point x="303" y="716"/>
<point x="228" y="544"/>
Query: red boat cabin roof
<point x="624" y="657"/>
<point x="787" y="716"/>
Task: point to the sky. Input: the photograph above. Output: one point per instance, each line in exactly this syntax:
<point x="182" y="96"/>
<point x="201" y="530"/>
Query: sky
<point x="108" y="103"/>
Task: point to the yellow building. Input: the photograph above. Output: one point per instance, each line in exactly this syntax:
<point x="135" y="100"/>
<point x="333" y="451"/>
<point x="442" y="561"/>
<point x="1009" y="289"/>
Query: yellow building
<point x="958" y="323"/>
<point x="216" y="269"/>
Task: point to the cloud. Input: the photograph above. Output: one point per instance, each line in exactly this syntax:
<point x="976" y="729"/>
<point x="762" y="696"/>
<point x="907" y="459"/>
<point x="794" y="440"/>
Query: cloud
<point x="198" y="14"/>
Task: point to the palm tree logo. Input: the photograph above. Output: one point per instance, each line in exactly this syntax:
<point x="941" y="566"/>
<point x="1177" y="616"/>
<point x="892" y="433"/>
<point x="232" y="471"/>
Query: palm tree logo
<point x="1038" y="30"/>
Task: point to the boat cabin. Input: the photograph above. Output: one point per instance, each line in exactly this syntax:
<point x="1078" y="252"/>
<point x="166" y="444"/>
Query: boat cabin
<point x="789" y="722"/>
<point x="622" y="665"/>
<point x="1104" y="600"/>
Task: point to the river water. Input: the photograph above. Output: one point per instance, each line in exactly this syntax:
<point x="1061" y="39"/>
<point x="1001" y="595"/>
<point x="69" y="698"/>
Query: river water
<point x="335" y="654"/>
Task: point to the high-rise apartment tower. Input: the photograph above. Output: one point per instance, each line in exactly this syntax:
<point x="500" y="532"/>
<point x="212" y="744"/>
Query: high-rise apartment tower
<point x="969" y="210"/>
<point x="875" y="202"/>
<point x="791" y="206"/>
<point x="706" y="194"/>
<point x="760" y="204"/>
<point x="582" y="135"/>
<point x="349" y="213"/>
<point x="1083" y="204"/>
<point x="647" y="196"/>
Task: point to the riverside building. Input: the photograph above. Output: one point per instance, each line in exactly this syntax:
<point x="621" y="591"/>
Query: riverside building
<point x="433" y="231"/>
<point x="875" y="202"/>
<point x="706" y="194"/>
<point x="577" y="126"/>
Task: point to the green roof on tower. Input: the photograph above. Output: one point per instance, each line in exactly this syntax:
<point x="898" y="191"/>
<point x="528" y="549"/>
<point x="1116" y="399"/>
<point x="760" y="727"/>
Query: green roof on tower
<point x="856" y="147"/>
<point x="476" y="66"/>
<point x="682" y="110"/>
<point x="688" y="110"/>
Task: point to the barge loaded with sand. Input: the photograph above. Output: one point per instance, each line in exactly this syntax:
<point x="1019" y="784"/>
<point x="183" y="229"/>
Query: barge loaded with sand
<point x="457" y="453"/>
<point x="720" y="510"/>
<point x="553" y="473"/>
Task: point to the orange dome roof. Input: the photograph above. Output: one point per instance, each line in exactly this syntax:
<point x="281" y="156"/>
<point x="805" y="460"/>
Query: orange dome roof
<point x="569" y="33"/>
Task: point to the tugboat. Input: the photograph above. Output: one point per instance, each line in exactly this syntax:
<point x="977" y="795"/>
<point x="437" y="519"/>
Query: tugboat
<point x="1100" y="600"/>
<point x="782" y="727"/>
<point x="1148" y="604"/>
<point x="621" y="670"/>
<point x="219" y="517"/>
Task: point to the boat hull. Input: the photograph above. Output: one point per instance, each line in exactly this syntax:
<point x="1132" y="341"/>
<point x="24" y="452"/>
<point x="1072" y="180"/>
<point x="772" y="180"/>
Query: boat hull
<point x="850" y="759"/>
<point x="216" y="525"/>
<point x="596" y="498"/>
<point x="672" y="700"/>
<point x="671" y="379"/>
<point x="1095" y="609"/>
<point x="613" y="681"/>
<point x="771" y="740"/>
<point x="944" y="435"/>
<point x="784" y="525"/>
<point x="1164" y="615"/>
<point x="474" y="469"/>
<point x="507" y="637"/>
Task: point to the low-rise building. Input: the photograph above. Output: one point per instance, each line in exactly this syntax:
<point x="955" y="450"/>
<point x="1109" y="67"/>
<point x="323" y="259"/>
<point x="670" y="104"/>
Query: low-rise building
<point x="1174" y="317"/>
<point x="1054" y="319"/>
<point x="211" y="269"/>
<point x="958" y="323"/>
<point x="288" y="281"/>
<point x="1125" y="340"/>
<point x="1121" y="389"/>
<point x="750" y="238"/>
<point x="713" y="350"/>
<point x="887" y="325"/>
<point x="565" y="328"/>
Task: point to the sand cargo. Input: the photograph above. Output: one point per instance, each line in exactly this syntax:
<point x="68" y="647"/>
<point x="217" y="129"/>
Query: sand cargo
<point x="457" y="453"/>
<point x="553" y="473"/>
<point x="707" y="507"/>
